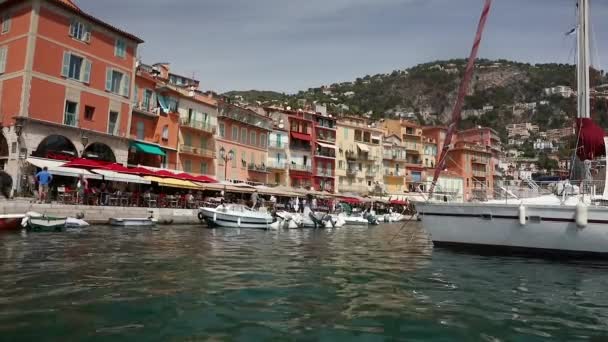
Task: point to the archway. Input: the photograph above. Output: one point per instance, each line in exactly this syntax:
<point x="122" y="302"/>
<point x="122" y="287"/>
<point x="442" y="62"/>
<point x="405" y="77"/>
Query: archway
<point x="99" y="151"/>
<point x="56" y="147"/>
<point x="3" y="151"/>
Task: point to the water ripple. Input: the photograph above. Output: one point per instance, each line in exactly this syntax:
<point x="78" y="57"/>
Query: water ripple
<point x="176" y="283"/>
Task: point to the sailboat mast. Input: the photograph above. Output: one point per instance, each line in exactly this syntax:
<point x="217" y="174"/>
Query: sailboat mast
<point x="583" y="60"/>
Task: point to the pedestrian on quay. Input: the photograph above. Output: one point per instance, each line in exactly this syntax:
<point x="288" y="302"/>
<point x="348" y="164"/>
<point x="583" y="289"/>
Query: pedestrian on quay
<point x="83" y="187"/>
<point x="44" y="179"/>
<point x="254" y="199"/>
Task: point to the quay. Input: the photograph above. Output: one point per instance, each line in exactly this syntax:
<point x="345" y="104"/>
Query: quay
<point x="99" y="215"/>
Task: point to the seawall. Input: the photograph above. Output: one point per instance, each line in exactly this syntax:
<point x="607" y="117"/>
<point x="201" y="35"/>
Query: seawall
<point x="100" y="214"/>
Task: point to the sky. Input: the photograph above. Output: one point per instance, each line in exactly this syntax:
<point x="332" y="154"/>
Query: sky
<point x="291" y="45"/>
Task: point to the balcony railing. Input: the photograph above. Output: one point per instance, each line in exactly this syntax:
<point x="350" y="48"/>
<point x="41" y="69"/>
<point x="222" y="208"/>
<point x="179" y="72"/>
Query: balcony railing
<point x="400" y="173"/>
<point x="325" y="137"/>
<point x="203" y="152"/>
<point x="277" y="145"/>
<point x="325" y="172"/>
<point x="394" y="155"/>
<point x="256" y="167"/>
<point x="146" y="108"/>
<point x="245" y="116"/>
<point x="371" y="173"/>
<point x="351" y="172"/>
<point x="300" y="147"/>
<point x="325" y="125"/>
<point x="273" y="164"/>
<point x="302" y="168"/>
<point x="479" y="173"/>
<point x="200" y="125"/>
<point x="325" y="154"/>
<point x="362" y="189"/>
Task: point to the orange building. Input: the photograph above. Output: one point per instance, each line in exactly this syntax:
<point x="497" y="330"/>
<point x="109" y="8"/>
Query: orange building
<point x="66" y="82"/>
<point x="243" y="135"/>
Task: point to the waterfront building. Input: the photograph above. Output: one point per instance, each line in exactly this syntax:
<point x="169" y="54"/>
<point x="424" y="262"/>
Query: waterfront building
<point x="521" y="130"/>
<point x="154" y="121"/>
<point x="301" y="144"/>
<point x="242" y="134"/>
<point x="66" y="81"/>
<point x="324" y="158"/>
<point x="394" y="157"/>
<point x="278" y="149"/>
<point x="360" y="155"/>
<point x="413" y="140"/>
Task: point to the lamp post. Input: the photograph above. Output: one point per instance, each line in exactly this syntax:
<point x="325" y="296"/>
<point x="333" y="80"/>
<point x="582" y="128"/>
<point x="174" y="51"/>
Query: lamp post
<point x="84" y="139"/>
<point x="226" y="158"/>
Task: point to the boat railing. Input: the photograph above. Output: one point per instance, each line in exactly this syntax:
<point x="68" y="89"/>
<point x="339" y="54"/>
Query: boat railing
<point x="529" y="188"/>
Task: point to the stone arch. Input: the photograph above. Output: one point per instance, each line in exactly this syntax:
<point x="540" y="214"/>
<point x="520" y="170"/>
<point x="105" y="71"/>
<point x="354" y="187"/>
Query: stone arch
<point x="56" y="147"/>
<point x="99" y="151"/>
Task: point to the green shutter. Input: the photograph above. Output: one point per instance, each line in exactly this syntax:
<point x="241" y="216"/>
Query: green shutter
<point x="109" y="79"/>
<point x="87" y="71"/>
<point x="65" y="70"/>
<point x="126" y="85"/>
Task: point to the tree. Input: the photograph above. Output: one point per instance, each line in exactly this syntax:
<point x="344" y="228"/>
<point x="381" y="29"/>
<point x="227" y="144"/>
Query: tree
<point x="546" y="163"/>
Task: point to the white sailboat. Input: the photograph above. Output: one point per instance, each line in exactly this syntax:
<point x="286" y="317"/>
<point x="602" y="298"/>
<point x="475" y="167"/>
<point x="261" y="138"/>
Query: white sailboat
<point x="570" y="222"/>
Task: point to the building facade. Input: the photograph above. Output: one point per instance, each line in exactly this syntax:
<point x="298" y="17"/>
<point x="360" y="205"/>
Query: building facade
<point x="66" y="81"/>
<point x="394" y="158"/>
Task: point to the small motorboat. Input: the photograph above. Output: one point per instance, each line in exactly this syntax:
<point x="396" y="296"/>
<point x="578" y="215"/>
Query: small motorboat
<point x="394" y="217"/>
<point x="133" y="222"/>
<point x="34" y="222"/>
<point x="10" y="222"/>
<point x="235" y="216"/>
<point x="72" y="222"/>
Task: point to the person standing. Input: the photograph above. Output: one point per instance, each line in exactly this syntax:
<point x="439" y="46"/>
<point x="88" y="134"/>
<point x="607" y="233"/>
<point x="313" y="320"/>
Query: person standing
<point x="254" y="199"/>
<point x="83" y="188"/>
<point x="44" y="179"/>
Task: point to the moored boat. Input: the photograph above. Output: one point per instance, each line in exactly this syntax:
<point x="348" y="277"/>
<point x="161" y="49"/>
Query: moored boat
<point x="44" y="223"/>
<point x="235" y="216"/>
<point x="133" y="222"/>
<point x="9" y="222"/>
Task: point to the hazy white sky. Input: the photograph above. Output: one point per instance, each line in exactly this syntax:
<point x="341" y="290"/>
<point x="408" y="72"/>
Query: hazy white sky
<point x="289" y="45"/>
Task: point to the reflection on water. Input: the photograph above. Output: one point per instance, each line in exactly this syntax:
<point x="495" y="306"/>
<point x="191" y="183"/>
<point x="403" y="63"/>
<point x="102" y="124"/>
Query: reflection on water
<point x="344" y="284"/>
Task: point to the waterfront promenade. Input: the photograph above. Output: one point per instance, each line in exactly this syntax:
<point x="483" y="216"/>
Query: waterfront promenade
<point x="99" y="214"/>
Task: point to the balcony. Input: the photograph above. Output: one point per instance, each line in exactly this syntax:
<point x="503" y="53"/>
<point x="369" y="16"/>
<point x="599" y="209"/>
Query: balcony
<point x="325" y="173"/>
<point x="327" y="125"/>
<point x="245" y="116"/>
<point x="198" y="151"/>
<point x="301" y="168"/>
<point x="479" y="174"/>
<point x="360" y="189"/>
<point x="480" y="161"/>
<point x="257" y="168"/>
<point x="277" y="145"/>
<point x="325" y="154"/>
<point x="400" y="173"/>
<point x="199" y="125"/>
<point x="277" y="165"/>
<point x="298" y="147"/>
<point x="351" y="172"/>
<point x="371" y="173"/>
<point x="394" y="155"/>
<point x="325" y="137"/>
<point x="146" y="109"/>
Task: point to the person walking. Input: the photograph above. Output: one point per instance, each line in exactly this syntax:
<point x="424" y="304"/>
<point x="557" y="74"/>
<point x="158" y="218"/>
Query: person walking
<point x="44" y="179"/>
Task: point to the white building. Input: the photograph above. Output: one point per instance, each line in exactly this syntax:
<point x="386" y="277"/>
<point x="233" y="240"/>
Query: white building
<point x="563" y="91"/>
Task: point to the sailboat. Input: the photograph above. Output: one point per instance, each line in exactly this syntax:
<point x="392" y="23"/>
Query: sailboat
<point x="565" y="223"/>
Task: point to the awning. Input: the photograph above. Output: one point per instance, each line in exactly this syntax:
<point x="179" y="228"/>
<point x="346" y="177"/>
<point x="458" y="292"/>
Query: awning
<point x="139" y="171"/>
<point x="363" y="147"/>
<point x="205" y="179"/>
<point x="55" y="168"/>
<point x="174" y="183"/>
<point x="301" y="136"/>
<point x="221" y="187"/>
<point x="350" y="200"/>
<point x="147" y="148"/>
<point x="326" y="145"/>
<point x="120" y="177"/>
<point x="86" y="163"/>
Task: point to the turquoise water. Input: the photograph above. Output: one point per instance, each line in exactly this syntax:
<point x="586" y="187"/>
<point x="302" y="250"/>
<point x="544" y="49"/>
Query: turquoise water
<point x="350" y="284"/>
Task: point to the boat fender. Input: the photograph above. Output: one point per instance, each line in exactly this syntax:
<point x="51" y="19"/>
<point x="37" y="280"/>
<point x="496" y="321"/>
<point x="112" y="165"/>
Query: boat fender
<point x="201" y="216"/>
<point x="238" y="222"/>
<point x="522" y="215"/>
<point x="214" y="217"/>
<point x="582" y="217"/>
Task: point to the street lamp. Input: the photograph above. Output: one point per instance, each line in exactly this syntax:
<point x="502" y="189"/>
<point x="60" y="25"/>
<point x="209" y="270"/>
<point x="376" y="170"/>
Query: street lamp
<point x="226" y="158"/>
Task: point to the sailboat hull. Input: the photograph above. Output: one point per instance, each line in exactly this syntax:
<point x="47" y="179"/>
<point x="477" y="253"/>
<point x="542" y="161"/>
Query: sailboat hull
<point x="547" y="229"/>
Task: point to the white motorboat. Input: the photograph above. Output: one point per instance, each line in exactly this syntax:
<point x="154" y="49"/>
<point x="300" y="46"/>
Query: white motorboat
<point x="567" y="224"/>
<point x="286" y="220"/>
<point x="353" y="220"/>
<point x="133" y="222"/>
<point x="72" y="222"/>
<point x="394" y="217"/>
<point x="235" y="216"/>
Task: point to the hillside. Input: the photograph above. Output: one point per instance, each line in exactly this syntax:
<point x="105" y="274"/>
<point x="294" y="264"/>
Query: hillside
<point x="426" y="93"/>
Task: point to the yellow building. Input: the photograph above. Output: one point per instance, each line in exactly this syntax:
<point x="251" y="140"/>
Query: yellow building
<point x="360" y="154"/>
<point x="394" y="159"/>
<point x="414" y="143"/>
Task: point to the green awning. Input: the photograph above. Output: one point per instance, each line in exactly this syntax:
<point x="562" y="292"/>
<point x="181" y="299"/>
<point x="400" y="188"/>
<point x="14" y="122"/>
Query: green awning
<point x="149" y="149"/>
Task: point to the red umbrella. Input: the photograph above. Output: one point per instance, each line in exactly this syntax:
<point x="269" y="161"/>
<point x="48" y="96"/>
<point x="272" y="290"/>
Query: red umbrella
<point x="398" y="202"/>
<point x="165" y="173"/>
<point x="350" y="200"/>
<point x="186" y="176"/>
<point x="140" y="171"/>
<point x="205" y="179"/>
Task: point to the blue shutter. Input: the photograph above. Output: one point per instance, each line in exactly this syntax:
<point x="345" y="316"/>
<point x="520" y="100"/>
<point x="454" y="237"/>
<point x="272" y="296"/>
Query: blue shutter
<point x="65" y="70"/>
<point x="109" y="79"/>
<point x="87" y="71"/>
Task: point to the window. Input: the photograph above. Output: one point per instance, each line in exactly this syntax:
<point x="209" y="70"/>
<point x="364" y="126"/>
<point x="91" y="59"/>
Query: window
<point x="3" y="58"/>
<point x="6" y="23"/>
<point x="71" y="113"/>
<point x="252" y="138"/>
<point x="252" y="158"/>
<point x="345" y="133"/>
<point x="89" y="111"/>
<point x="120" y="50"/>
<point x="234" y="159"/>
<point x="222" y="130"/>
<point x="279" y="140"/>
<point x="113" y="123"/>
<point x="165" y="134"/>
<point x="190" y="115"/>
<point x="80" y="31"/>
<point x="243" y="135"/>
<point x="118" y="82"/>
<point x="204" y="143"/>
<point x="263" y="140"/>
<point x="141" y="130"/>
<point x="187" y="139"/>
<point x="340" y="164"/>
<point x="188" y="165"/>
<point x="76" y="67"/>
<point x="203" y="168"/>
<point x="235" y="133"/>
<point x="244" y="160"/>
